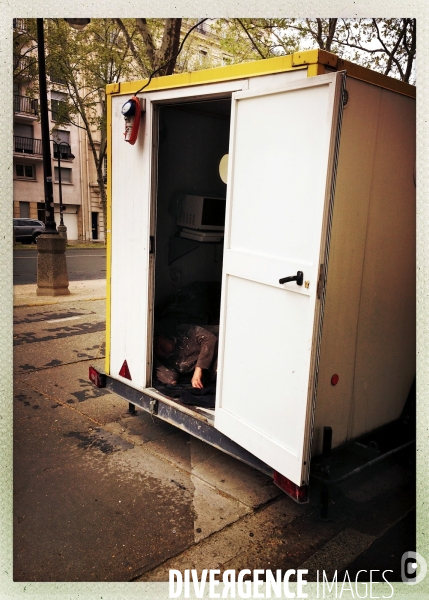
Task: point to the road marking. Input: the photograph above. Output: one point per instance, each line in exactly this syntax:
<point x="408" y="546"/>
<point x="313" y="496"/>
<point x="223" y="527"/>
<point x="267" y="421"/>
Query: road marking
<point x="64" y="319"/>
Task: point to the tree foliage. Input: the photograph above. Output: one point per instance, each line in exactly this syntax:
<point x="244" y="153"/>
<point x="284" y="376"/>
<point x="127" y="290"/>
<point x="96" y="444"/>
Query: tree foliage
<point x="384" y="45"/>
<point x="85" y="62"/>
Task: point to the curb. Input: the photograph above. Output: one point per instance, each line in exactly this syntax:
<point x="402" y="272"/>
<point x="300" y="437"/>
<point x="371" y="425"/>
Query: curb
<point x="80" y="291"/>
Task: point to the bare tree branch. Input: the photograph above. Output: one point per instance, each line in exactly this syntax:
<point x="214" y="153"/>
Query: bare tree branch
<point x="332" y="28"/>
<point x="148" y="41"/>
<point x="250" y="38"/>
<point x="131" y="45"/>
<point x="169" y="46"/>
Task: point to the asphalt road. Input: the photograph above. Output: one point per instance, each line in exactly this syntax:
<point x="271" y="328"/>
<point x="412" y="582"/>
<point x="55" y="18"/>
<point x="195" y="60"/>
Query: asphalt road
<point x="82" y="264"/>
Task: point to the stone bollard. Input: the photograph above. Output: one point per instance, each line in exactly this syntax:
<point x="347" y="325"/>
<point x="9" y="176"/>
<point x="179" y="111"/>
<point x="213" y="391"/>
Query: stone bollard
<point x="62" y="230"/>
<point x="52" y="276"/>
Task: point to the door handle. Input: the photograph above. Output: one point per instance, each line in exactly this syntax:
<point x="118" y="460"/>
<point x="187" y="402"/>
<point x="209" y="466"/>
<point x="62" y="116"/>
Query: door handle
<point x="299" y="278"/>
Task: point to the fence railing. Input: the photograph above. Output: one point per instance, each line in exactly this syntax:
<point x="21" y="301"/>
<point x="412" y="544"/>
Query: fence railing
<point x="23" y="104"/>
<point x="27" y="145"/>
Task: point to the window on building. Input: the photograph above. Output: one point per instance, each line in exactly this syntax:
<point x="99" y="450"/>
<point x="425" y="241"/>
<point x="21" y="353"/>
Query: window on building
<point x="202" y="27"/>
<point x="25" y="171"/>
<point x="203" y="56"/>
<point x="58" y="105"/>
<point x="23" y="138"/>
<point x="62" y="136"/>
<point x="41" y="211"/>
<point x="57" y="77"/>
<point x="66" y="176"/>
<point x="24" y="210"/>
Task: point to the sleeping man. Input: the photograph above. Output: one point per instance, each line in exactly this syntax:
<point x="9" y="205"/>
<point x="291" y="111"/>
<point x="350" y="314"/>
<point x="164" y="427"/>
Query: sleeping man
<point x="192" y="350"/>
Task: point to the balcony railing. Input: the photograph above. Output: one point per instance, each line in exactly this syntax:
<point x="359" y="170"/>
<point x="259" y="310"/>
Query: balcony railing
<point x="24" y="66"/>
<point x="23" y="104"/>
<point x="27" y="145"/>
<point x="20" y="24"/>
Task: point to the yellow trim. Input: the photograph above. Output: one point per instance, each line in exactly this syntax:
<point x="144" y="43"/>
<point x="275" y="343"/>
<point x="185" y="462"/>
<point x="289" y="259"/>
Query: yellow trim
<point x="317" y="62"/>
<point x="250" y="69"/>
<point x="115" y="88"/>
<point x="314" y="70"/>
<point x="108" y="235"/>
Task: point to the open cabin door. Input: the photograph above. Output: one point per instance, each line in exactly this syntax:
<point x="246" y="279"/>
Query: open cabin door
<point x="282" y="161"/>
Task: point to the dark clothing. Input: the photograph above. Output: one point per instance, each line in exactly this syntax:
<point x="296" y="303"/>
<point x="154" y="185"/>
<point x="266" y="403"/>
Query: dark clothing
<point x="205" y="397"/>
<point x="194" y="347"/>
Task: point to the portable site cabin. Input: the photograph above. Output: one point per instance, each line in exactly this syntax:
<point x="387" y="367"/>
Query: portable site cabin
<point x="321" y="166"/>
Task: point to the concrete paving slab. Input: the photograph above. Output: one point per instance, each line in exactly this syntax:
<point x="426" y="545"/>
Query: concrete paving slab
<point x="219" y="470"/>
<point x="337" y="553"/>
<point x="291" y="545"/>
<point x="141" y="428"/>
<point x="234" y="478"/>
<point x="247" y="535"/>
<point x="393" y="476"/>
<point x="213" y="511"/>
<point x="76" y="518"/>
<point x="79" y="333"/>
<point x="69" y="386"/>
<point x="41" y="355"/>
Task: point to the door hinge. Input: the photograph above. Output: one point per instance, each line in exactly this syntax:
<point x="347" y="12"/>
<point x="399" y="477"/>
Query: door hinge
<point x="320" y="282"/>
<point x="151" y="244"/>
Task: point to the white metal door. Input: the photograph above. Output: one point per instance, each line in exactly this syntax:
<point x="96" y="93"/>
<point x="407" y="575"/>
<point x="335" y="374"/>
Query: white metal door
<point x="280" y="186"/>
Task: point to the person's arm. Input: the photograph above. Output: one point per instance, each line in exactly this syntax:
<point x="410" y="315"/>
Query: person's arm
<point x="207" y="342"/>
<point x="197" y="381"/>
<point x="165" y="374"/>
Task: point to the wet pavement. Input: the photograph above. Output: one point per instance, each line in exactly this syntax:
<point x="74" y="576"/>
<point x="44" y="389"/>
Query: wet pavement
<point x="103" y="495"/>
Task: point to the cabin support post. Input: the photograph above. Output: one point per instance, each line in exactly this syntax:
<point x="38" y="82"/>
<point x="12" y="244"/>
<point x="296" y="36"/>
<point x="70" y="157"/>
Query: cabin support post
<point x="326" y="474"/>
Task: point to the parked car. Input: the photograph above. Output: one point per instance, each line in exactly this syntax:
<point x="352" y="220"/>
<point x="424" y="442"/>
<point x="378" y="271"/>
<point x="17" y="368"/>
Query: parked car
<point x="27" y="230"/>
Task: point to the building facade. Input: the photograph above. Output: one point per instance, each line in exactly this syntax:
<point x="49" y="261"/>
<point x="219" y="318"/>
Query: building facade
<point x="81" y="201"/>
<point x="28" y="177"/>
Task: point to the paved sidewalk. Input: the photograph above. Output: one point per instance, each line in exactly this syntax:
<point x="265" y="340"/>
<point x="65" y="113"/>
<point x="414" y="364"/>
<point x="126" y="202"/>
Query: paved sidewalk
<point x="93" y="289"/>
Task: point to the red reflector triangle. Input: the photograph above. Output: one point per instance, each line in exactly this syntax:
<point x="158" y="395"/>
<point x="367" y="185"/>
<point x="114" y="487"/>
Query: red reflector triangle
<point x="125" y="372"/>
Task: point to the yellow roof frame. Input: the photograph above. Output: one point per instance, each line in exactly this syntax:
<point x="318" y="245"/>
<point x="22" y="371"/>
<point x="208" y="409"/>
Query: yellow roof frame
<point x="317" y="62"/>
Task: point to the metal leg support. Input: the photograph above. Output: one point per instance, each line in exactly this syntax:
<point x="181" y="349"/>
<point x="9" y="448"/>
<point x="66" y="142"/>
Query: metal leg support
<point x="326" y="475"/>
<point x="132" y="408"/>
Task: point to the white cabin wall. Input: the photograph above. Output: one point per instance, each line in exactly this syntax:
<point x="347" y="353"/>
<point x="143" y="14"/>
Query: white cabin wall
<point x="190" y="149"/>
<point x="131" y="186"/>
<point x="369" y="323"/>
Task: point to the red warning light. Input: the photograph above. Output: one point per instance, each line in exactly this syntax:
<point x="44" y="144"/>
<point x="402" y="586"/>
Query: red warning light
<point x="125" y="372"/>
<point x="334" y="379"/>
<point x="97" y="378"/>
<point x="294" y="491"/>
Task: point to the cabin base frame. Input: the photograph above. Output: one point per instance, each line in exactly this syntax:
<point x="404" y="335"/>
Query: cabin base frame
<point x="200" y="428"/>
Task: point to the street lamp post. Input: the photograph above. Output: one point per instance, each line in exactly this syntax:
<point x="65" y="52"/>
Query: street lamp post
<point x="52" y="276"/>
<point x="60" y="187"/>
<point x="61" y="148"/>
<point x="50" y="226"/>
